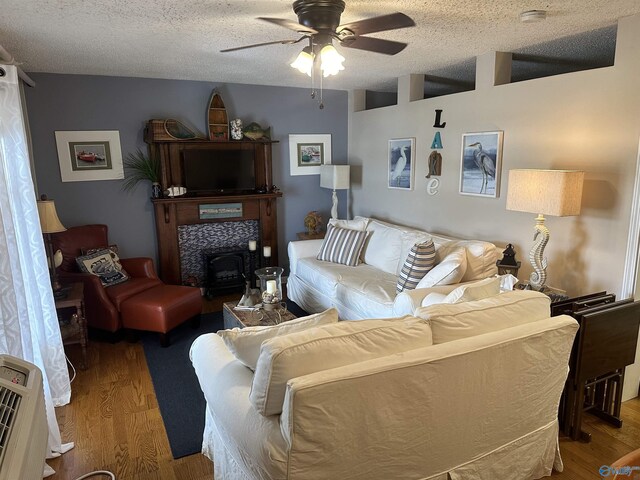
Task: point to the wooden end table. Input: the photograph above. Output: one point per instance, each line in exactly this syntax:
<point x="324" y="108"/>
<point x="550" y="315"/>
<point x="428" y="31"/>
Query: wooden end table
<point x="310" y="236"/>
<point x="249" y="318"/>
<point x="74" y="329"/>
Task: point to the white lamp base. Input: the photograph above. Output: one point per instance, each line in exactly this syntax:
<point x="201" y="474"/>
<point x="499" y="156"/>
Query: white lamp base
<point x="538" y="277"/>
<point x="334" y="207"/>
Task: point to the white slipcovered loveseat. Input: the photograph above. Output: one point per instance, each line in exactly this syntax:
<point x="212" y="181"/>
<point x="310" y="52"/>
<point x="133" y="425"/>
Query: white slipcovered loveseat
<point x="368" y="290"/>
<point x="481" y="402"/>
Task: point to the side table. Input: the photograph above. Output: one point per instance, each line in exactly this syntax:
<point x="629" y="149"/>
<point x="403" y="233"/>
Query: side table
<point x="73" y="329"/>
<point x="309" y="236"/>
<point x="246" y="318"/>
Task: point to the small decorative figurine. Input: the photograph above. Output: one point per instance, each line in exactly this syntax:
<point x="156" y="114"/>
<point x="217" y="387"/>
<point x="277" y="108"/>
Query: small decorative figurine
<point x="435" y="164"/>
<point x="236" y="129"/>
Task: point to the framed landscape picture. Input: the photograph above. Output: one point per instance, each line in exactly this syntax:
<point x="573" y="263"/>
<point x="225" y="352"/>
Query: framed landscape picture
<point x="89" y="155"/>
<point x="480" y="164"/>
<point x="308" y="152"/>
<point x="401" y="166"/>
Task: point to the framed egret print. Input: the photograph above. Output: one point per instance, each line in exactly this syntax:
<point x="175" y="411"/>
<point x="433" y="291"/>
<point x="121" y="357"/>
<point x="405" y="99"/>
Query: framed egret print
<point x="89" y="155"/>
<point x="308" y="152"/>
<point x="401" y="167"/>
<point x="480" y="164"/>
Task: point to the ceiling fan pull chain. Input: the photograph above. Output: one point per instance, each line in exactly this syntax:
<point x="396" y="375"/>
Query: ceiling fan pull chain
<point x="321" y="106"/>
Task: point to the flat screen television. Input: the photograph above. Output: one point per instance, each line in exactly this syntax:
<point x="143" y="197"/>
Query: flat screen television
<point x="219" y="171"/>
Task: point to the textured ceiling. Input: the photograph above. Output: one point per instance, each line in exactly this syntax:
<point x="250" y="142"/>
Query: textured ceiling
<point x="181" y="39"/>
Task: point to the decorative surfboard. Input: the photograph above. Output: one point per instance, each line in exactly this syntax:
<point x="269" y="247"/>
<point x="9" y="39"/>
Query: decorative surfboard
<point x="217" y="119"/>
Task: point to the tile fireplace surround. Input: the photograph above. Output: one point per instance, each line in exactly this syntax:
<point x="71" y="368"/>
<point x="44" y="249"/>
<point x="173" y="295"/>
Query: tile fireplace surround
<point x="194" y="239"/>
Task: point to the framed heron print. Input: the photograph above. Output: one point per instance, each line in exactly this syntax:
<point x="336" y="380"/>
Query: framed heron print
<point x="401" y="165"/>
<point x="480" y="164"/>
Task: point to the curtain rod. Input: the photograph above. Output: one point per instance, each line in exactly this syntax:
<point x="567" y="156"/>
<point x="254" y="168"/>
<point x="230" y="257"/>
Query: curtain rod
<point x="7" y="58"/>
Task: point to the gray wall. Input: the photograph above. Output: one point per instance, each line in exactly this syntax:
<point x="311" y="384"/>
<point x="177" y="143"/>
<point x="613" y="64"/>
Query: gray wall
<point x="78" y="102"/>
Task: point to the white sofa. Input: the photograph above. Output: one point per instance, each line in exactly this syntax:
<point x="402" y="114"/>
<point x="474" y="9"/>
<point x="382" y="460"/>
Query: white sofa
<point x="368" y="290"/>
<point x="480" y="406"/>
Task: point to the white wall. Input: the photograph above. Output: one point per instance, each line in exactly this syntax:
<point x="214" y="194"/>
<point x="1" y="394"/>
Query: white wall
<point x="586" y="120"/>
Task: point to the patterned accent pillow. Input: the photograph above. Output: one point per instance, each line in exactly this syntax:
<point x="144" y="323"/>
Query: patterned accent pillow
<point x="112" y="248"/>
<point x="342" y="245"/>
<point x="102" y="264"/>
<point x="420" y="260"/>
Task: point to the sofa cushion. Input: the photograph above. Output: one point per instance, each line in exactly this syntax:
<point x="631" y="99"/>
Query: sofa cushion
<point x="417" y="264"/>
<point x="461" y="320"/>
<point x="245" y="343"/>
<point x="342" y="245"/>
<point x="474" y="291"/>
<point x="289" y="356"/>
<point x="382" y="249"/>
<point x="448" y="271"/>
<point x="367" y="291"/>
<point x="357" y="223"/>
<point x="481" y="257"/>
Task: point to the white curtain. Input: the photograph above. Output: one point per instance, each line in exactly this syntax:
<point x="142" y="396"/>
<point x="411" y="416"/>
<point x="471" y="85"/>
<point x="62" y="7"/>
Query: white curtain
<point x="28" y="322"/>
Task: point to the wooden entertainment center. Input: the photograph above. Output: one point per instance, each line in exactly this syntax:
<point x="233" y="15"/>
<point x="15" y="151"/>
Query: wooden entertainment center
<point x="172" y="212"/>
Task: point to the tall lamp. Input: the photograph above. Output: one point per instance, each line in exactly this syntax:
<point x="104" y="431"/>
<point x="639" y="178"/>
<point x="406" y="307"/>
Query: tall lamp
<point x="50" y="223"/>
<point x="335" y="177"/>
<point x="545" y="192"/>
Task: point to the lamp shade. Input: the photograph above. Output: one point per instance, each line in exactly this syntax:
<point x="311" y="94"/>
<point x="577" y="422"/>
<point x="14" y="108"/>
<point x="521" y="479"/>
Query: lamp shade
<point x="335" y="177"/>
<point x="49" y="221"/>
<point x="548" y="192"/>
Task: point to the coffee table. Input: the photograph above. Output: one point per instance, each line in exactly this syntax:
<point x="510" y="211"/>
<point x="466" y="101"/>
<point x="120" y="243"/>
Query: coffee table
<point x="252" y="318"/>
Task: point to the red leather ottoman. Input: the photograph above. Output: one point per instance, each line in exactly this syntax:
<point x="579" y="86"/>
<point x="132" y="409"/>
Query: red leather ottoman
<point x="160" y="309"/>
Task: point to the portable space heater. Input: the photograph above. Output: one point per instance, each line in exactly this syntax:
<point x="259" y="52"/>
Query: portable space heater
<point x="23" y="421"/>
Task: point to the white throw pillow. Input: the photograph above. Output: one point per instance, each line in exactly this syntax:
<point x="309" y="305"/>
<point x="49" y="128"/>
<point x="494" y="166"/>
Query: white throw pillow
<point x="461" y="320"/>
<point x="290" y="356"/>
<point x="358" y="223"/>
<point x="432" y="299"/>
<point x="481" y="258"/>
<point x="382" y="249"/>
<point x="474" y="291"/>
<point x="449" y="271"/>
<point x="245" y="343"/>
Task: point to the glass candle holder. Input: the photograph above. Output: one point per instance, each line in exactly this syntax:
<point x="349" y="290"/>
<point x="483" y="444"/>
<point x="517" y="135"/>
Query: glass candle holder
<point x="270" y="286"/>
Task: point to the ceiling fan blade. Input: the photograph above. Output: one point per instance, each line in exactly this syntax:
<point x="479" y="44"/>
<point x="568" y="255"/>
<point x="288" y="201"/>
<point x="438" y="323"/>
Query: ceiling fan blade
<point x="282" y="42"/>
<point x="378" y="45"/>
<point x="378" y="24"/>
<point x="291" y="25"/>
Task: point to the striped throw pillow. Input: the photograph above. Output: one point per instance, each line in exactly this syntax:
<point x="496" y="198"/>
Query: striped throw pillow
<point x="420" y="260"/>
<point x="342" y="245"/>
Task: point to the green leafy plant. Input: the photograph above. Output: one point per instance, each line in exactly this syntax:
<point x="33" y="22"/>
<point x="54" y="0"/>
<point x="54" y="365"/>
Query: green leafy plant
<point x="140" y="167"/>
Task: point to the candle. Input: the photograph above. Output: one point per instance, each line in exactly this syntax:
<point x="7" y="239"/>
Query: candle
<point x="271" y="287"/>
<point x="253" y="245"/>
<point x="266" y="251"/>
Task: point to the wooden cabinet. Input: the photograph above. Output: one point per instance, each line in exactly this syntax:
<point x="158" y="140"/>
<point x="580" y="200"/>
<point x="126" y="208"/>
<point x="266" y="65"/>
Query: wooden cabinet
<point x="171" y="213"/>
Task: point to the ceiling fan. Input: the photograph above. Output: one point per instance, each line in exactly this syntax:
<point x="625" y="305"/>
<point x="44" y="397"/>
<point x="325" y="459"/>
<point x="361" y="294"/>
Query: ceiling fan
<point x="319" y="21"/>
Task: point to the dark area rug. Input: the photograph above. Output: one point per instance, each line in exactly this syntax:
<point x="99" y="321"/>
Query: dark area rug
<point x="181" y="401"/>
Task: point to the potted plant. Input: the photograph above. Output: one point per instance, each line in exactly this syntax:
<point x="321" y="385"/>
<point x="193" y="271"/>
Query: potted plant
<point x="141" y="167"/>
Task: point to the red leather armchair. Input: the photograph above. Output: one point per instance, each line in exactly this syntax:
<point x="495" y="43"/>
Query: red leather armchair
<point x="102" y="305"/>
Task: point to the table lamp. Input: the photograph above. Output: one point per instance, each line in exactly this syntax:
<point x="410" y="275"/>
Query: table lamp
<point x="50" y="223"/>
<point x="545" y="192"/>
<point x="335" y="177"/>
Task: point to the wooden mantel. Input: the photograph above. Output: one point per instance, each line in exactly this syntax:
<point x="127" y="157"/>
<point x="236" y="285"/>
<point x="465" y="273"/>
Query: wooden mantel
<point x="173" y="212"/>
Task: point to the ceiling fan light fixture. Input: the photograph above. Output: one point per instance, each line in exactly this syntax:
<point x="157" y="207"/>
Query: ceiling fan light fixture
<point x="304" y="61"/>
<point x="331" y="61"/>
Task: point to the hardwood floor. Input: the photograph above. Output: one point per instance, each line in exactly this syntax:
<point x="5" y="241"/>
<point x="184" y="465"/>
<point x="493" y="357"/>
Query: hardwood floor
<point x="114" y="420"/>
